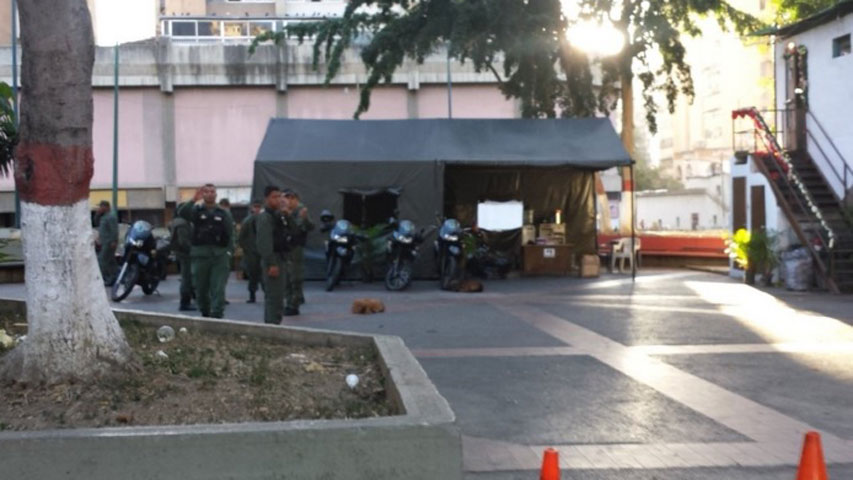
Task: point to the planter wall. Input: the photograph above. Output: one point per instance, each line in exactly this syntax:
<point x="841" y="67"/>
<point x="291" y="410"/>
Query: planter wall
<point x="422" y="443"/>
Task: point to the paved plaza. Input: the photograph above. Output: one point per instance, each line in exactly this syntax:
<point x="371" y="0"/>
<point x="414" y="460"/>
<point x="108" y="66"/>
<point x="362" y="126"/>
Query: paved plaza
<point x="681" y="375"/>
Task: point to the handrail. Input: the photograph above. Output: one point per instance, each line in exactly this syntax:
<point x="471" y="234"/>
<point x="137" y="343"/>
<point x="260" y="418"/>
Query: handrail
<point x="778" y="153"/>
<point x="846" y="165"/>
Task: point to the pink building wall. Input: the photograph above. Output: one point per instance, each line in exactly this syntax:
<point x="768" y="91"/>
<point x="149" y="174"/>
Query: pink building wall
<point x="469" y="101"/>
<point x="336" y="102"/>
<point x="140" y="150"/>
<point x="218" y="132"/>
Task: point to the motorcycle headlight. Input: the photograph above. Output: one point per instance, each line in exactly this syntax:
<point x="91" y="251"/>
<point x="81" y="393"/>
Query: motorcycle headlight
<point x="136" y="243"/>
<point x="340" y="238"/>
<point x="406" y="240"/>
<point x="451" y="238"/>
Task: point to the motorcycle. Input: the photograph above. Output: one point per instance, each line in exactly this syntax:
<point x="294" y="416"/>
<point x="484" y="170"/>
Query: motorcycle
<point x="143" y="262"/>
<point x="448" y="253"/>
<point x="482" y="261"/>
<point x="340" y="249"/>
<point x="402" y="251"/>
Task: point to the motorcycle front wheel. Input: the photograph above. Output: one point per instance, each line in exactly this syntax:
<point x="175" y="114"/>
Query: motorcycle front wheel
<point x="150" y="286"/>
<point x="333" y="273"/>
<point x="124" y="282"/>
<point x="399" y="276"/>
<point x="449" y="272"/>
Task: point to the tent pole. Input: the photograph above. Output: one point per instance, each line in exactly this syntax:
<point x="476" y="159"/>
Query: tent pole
<point x="633" y="233"/>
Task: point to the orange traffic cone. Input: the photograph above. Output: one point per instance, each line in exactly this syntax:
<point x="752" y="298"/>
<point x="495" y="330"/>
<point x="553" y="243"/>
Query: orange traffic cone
<point x="812" y="466"/>
<point x="550" y="465"/>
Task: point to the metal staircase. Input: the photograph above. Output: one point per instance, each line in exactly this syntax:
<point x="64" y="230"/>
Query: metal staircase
<point x="805" y="192"/>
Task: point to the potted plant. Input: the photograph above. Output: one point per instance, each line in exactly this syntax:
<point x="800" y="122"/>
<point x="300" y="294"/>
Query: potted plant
<point x="761" y="254"/>
<point x="754" y="253"/>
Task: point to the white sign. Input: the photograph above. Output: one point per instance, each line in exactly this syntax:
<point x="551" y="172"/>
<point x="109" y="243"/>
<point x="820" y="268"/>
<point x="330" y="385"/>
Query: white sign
<point x="549" y="252"/>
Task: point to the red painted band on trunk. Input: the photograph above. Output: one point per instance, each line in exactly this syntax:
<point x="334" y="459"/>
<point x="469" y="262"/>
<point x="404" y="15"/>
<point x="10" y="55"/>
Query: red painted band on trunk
<point x="627" y="185"/>
<point x="53" y="175"/>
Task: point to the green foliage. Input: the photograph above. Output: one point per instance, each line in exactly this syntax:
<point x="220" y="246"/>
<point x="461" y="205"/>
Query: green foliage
<point x="658" y="26"/>
<point x="737" y="247"/>
<point x="647" y="177"/>
<point x="8" y="129"/>
<point x="540" y="66"/>
<point x="788" y="11"/>
<point x="754" y="251"/>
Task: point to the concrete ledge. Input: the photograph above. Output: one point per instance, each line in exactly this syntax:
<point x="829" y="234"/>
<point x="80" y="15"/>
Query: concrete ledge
<point x="423" y="443"/>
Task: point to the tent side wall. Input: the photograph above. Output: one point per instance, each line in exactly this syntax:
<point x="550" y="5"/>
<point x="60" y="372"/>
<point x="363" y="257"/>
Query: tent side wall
<point x="320" y="184"/>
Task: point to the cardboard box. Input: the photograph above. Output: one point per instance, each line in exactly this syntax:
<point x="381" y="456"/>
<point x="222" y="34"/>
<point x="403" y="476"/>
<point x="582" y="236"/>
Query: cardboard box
<point x="590" y="266"/>
<point x="547" y="259"/>
<point x="552" y="229"/>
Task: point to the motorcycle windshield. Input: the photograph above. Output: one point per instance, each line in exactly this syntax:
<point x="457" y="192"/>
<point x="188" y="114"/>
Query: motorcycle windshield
<point x="140" y="230"/>
<point x="342" y="228"/>
<point x="450" y="227"/>
<point x="406" y="229"/>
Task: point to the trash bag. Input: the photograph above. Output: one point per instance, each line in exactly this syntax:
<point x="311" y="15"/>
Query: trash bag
<point x="798" y="269"/>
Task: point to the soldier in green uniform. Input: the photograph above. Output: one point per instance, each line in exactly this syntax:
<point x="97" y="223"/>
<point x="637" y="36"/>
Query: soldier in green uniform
<point x="248" y="241"/>
<point x="212" y="242"/>
<point x="300" y="222"/>
<point x="272" y="245"/>
<point x="181" y="232"/>
<point x="107" y="241"/>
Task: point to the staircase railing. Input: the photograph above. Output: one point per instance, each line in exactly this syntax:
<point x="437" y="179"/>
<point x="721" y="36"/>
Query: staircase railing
<point x="793" y="188"/>
<point x="845" y="176"/>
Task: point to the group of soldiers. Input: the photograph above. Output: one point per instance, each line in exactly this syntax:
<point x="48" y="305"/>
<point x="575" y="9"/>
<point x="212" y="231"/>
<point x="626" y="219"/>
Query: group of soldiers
<point x="271" y="238"/>
<point x="203" y="233"/>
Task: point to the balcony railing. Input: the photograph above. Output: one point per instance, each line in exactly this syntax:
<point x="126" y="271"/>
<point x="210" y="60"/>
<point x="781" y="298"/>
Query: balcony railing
<point x="228" y="30"/>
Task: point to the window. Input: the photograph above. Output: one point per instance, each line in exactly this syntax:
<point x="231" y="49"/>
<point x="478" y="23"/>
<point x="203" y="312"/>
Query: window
<point x="841" y="46"/>
<point x="715" y="218"/>
<point x="694" y="221"/>
<point x="367" y="209"/>
<point x="183" y="29"/>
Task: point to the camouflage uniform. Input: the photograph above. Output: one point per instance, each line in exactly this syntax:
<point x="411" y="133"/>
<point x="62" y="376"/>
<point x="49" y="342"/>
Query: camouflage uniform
<point x="248" y="241"/>
<point x="108" y="238"/>
<point x="296" y="257"/>
<point x="272" y="244"/>
<point x="181" y="233"/>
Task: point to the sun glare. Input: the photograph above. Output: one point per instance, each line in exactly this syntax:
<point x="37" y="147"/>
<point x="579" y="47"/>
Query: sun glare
<point x="596" y="39"/>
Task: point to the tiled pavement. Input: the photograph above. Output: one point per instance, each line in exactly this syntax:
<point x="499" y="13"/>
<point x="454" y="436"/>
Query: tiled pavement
<point x="681" y="375"/>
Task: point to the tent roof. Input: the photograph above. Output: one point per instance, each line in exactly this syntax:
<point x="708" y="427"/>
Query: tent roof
<point x="582" y="142"/>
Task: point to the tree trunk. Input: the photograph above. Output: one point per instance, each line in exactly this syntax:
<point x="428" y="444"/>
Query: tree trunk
<point x="72" y="332"/>
<point x="626" y="211"/>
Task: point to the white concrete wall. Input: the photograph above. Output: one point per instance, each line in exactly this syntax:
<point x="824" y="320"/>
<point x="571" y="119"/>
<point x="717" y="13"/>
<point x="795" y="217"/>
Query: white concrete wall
<point x="775" y="218"/>
<point x="830" y="93"/>
<point x="672" y="211"/>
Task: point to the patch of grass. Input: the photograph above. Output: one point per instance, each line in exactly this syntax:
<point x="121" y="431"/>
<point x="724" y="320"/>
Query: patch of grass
<point x="260" y="372"/>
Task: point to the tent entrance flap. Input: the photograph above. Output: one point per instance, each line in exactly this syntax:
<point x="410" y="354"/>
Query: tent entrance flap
<point x="369" y="207"/>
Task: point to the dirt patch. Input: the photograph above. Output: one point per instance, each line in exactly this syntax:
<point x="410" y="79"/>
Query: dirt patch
<point x="206" y="378"/>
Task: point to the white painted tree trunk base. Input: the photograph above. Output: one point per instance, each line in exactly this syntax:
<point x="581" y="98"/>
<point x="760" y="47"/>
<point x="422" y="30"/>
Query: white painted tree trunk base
<point x="72" y="332"/>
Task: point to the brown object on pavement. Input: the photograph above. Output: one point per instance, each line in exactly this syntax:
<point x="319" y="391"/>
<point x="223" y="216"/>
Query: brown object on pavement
<point x="367" y="306"/>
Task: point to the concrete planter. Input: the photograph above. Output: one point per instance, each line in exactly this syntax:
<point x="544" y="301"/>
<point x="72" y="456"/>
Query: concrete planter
<point x="422" y="443"/>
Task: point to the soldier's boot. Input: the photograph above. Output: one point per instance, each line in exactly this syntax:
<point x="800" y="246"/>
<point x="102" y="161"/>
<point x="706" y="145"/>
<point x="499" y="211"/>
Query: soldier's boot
<point x="186" y="305"/>
<point x="251" y="297"/>
<point x="291" y="311"/>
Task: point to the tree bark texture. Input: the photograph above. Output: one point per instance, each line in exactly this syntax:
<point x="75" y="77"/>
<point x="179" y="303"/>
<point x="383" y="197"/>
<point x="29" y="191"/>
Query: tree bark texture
<point x="72" y="332"/>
